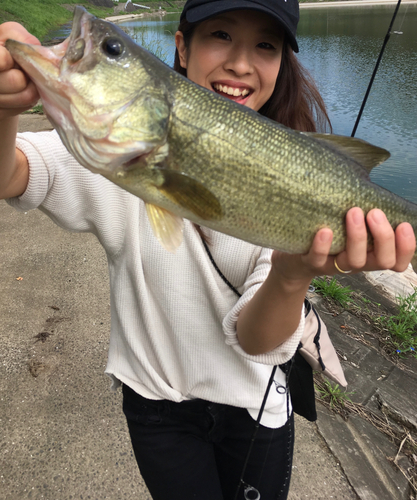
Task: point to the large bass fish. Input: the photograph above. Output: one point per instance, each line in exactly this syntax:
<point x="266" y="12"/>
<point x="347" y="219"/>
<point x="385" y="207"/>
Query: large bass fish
<point x="190" y="153"/>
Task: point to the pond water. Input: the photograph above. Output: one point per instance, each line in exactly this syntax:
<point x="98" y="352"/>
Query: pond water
<point x="340" y="47"/>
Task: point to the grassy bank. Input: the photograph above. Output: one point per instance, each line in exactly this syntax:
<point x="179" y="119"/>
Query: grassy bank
<point x="41" y="16"/>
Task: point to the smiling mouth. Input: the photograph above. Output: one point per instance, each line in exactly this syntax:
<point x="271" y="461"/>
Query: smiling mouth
<point x="231" y="92"/>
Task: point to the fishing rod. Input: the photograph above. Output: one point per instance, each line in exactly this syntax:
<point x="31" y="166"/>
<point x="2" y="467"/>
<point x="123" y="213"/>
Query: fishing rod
<point x="387" y="37"/>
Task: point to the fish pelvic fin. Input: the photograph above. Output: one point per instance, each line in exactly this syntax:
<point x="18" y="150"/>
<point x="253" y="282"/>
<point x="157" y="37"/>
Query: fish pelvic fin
<point x="188" y="193"/>
<point x="184" y="192"/>
<point x="166" y="226"/>
<point x="364" y="153"/>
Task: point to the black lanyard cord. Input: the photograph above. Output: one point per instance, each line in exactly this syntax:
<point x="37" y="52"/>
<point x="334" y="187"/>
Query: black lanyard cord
<point x="222" y="276"/>
<point x="255" y="432"/>
<point x="286" y="367"/>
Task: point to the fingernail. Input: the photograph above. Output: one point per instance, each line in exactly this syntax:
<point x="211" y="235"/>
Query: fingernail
<point x="378" y="216"/>
<point x="325" y="236"/>
<point x="357" y="217"/>
<point x="407" y="231"/>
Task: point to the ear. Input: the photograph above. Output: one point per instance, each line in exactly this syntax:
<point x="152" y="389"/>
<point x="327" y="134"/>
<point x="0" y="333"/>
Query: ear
<point x="182" y="51"/>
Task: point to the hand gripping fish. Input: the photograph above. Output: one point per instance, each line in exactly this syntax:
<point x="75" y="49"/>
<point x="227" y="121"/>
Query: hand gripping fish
<point x="190" y="153"/>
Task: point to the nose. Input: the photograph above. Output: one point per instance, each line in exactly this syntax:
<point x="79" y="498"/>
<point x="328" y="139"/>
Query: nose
<point x="239" y="61"/>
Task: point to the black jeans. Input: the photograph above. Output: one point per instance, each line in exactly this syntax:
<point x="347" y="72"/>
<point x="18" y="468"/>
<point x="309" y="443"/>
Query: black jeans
<point x="196" y="450"/>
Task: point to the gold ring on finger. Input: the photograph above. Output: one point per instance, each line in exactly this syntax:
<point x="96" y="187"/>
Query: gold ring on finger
<point x="340" y="270"/>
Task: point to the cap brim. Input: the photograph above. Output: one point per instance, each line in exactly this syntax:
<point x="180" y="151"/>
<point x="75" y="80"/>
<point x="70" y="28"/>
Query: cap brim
<point x="205" y="11"/>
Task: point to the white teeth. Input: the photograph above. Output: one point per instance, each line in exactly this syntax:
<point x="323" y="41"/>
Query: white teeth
<point x="235" y="92"/>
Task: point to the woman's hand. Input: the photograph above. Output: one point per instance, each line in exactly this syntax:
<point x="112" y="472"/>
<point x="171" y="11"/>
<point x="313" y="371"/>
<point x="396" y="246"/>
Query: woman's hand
<point x="273" y="314"/>
<point x="391" y="249"/>
<point x="17" y="92"/>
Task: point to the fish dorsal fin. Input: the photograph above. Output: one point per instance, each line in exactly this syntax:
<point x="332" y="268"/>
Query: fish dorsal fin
<point x="188" y="193"/>
<point x="166" y="226"/>
<point x="367" y="155"/>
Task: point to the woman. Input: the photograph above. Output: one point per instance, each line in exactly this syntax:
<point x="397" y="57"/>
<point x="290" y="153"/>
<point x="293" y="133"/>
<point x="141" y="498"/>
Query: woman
<point x="193" y="358"/>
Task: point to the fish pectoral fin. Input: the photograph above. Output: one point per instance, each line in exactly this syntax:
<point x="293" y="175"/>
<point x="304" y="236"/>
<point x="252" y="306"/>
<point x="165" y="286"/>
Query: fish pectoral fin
<point x="367" y="155"/>
<point x="166" y="226"/>
<point x="189" y="194"/>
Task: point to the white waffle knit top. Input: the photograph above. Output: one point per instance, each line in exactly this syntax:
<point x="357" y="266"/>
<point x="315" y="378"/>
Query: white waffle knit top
<point x="173" y="319"/>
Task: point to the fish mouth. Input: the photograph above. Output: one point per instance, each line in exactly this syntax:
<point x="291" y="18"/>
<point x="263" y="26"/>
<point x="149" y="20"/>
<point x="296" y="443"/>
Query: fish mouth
<point x="237" y="93"/>
<point x="86" y="134"/>
<point x="44" y="64"/>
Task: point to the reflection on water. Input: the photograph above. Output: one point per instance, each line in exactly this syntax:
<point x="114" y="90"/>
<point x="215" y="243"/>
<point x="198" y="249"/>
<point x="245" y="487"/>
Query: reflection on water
<point x="156" y="34"/>
<point x="340" y="47"/>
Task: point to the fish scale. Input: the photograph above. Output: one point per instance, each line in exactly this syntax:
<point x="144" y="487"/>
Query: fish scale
<point x="191" y="153"/>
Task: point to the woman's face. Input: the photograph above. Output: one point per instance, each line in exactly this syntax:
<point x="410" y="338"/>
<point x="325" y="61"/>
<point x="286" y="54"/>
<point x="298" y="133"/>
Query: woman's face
<point x="236" y="54"/>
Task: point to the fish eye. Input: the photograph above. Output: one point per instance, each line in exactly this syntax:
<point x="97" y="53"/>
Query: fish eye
<point x="113" y="47"/>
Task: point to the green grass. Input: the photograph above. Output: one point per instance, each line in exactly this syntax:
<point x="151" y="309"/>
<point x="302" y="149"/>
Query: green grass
<point x="36" y="110"/>
<point x="333" y="290"/>
<point x="333" y="394"/>
<point x="402" y="327"/>
<point x="397" y="332"/>
<point x="41" y="16"/>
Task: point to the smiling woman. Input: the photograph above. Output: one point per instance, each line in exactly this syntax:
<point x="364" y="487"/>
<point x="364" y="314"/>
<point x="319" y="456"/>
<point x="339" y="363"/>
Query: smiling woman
<point x="193" y="357"/>
<point x="237" y="54"/>
<point x="293" y="99"/>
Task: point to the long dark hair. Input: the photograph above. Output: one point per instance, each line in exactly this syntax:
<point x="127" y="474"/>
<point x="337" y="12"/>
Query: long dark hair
<point x="295" y="101"/>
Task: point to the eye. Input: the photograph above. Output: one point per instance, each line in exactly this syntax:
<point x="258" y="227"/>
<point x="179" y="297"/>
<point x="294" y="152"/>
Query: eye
<point x="113" y="47"/>
<point x="266" y="45"/>
<point x="221" y="34"/>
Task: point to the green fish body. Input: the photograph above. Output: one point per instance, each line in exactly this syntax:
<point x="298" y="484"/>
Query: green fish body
<point x="190" y="153"/>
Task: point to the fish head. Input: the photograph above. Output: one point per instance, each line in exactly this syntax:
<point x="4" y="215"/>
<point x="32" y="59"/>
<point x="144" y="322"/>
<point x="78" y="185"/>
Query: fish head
<point x="100" y="91"/>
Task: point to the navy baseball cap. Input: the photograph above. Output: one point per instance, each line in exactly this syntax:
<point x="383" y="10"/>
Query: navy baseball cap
<point x="286" y="12"/>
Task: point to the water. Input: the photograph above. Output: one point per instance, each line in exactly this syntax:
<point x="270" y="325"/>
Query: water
<point x="157" y="34"/>
<point x="340" y="46"/>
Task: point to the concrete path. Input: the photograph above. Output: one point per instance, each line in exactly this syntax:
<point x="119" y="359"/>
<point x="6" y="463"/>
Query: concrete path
<point x="62" y="432"/>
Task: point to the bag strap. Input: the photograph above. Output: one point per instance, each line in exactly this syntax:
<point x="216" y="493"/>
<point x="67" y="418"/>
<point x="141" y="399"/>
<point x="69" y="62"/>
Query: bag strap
<point x="308" y="306"/>
<point x="317" y="337"/>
